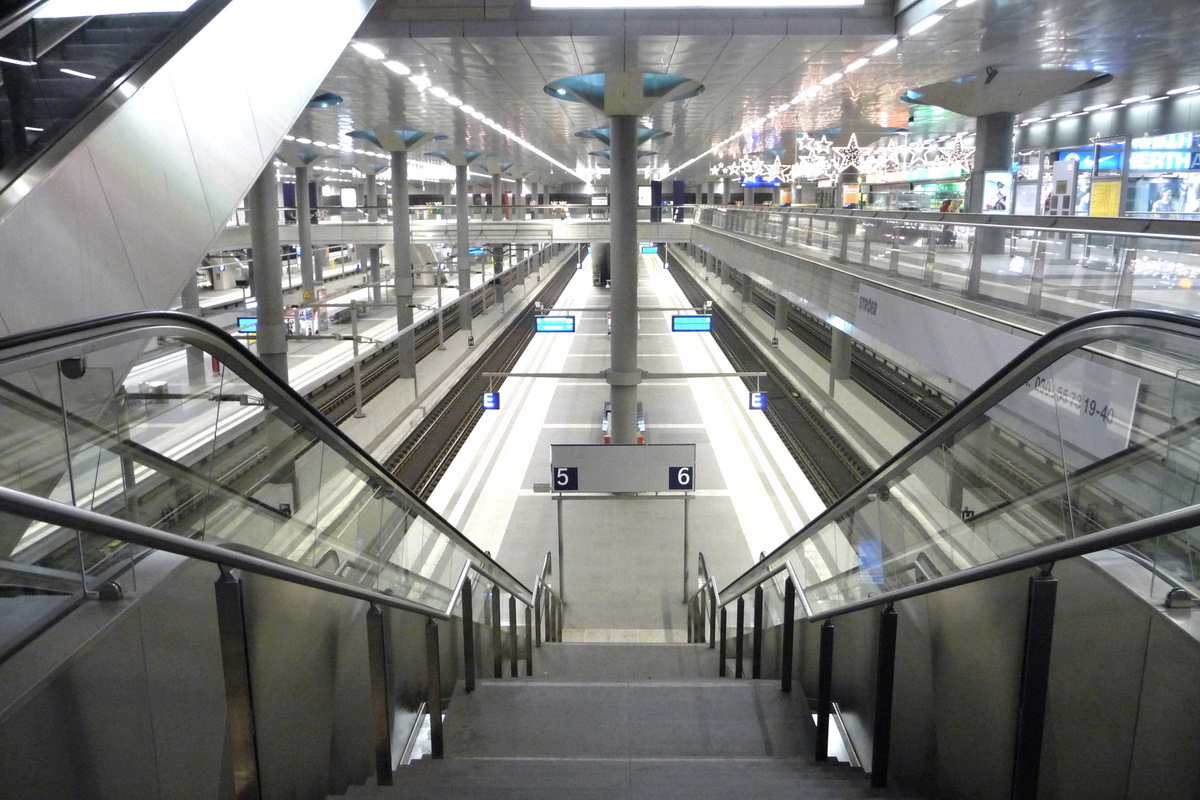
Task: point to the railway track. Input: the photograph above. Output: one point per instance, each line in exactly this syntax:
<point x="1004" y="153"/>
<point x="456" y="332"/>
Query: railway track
<point x="423" y="458"/>
<point x="829" y="462"/>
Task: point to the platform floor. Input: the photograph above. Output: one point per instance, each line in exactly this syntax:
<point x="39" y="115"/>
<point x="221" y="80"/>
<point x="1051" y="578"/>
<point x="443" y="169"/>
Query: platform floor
<point x="624" y="559"/>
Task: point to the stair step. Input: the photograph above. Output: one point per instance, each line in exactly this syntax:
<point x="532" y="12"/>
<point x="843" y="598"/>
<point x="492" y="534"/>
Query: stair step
<point x="594" y="719"/>
<point x="632" y="778"/>
<point x="623" y="662"/>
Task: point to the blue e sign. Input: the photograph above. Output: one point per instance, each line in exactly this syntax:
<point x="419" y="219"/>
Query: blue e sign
<point x="491" y="401"/>
<point x="758" y="401"/>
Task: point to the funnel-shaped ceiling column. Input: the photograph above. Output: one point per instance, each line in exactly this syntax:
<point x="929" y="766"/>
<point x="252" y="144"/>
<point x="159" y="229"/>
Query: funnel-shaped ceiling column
<point x="461" y="159"/>
<point x="399" y="142"/>
<point x="371" y="170"/>
<point x="994" y="97"/>
<point x="623" y="97"/>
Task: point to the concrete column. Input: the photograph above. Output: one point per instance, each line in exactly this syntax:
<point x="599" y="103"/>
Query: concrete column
<point x="271" y="337"/>
<point x="304" y="230"/>
<point x="624" y="375"/>
<point x="406" y="366"/>
<point x="373" y="258"/>
<point x="839" y="357"/>
<point x="497" y="197"/>
<point x="464" y="254"/>
<point x="748" y="196"/>
<point x="190" y="297"/>
<point x="781" y="314"/>
<point x="993" y="152"/>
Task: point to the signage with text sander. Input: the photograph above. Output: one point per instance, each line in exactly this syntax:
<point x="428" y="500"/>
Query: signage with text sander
<point x="691" y="322"/>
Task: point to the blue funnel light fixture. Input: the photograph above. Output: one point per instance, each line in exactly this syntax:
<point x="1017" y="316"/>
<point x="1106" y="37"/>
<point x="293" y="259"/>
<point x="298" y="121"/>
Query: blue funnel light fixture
<point x="396" y="141"/>
<point x="604" y="135"/>
<point x="623" y="93"/>
<point x="325" y="100"/>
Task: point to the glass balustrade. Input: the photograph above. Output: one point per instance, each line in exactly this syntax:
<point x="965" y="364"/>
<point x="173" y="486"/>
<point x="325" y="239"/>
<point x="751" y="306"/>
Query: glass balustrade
<point x="1095" y="426"/>
<point x="201" y="442"/>
<point x="1049" y="273"/>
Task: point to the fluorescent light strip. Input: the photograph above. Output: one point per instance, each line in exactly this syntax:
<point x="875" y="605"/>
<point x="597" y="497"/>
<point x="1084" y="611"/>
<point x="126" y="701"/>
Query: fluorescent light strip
<point x="925" y="24"/>
<point x="644" y="4"/>
<point x="77" y="73"/>
<point x="369" y="50"/>
<point x="1183" y="89"/>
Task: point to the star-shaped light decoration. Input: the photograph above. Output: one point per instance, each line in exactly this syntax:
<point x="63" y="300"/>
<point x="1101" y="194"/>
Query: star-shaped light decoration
<point x="716" y="169"/>
<point x="774" y="171"/>
<point x="849" y="156"/>
<point x="959" y="155"/>
<point x="809" y="168"/>
<point x="749" y="166"/>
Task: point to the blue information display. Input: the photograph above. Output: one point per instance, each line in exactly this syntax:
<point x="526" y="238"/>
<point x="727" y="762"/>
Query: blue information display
<point x="691" y="322"/>
<point x="555" y="324"/>
<point x="491" y="401"/>
<point x="247" y="324"/>
<point x="649" y="249"/>
<point x="758" y="401"/>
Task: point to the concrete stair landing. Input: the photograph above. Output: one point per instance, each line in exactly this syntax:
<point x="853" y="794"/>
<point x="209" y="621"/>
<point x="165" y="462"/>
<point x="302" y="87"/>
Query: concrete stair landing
<point x="630" y="722"/>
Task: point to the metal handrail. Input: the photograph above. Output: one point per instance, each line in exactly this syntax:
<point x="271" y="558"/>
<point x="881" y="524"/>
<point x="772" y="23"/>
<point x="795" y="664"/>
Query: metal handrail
<point x="1067" y="337"/>
<point x="80" y="338"/>
<point x="1112" y="226"/>
<point x="52" y="512"/>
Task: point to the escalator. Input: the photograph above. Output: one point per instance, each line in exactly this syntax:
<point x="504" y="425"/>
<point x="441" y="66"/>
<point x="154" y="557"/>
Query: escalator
<point x="115" y="132"/>
<point x="146" y="687"/>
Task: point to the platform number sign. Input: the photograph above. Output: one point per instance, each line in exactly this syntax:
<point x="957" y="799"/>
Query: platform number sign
<point x="758" y="401"/>
<point x="566" y="479"/>
<point x="491" y="401"/>
<point x="681" y="478"/>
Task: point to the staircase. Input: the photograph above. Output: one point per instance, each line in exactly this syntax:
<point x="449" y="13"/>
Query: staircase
<point x="626" y="721"/>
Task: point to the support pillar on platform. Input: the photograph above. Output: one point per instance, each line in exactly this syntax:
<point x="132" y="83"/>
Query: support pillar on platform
<point x="190" y="298"/>
<point x="271" y="333"/>
<point x="304" y="234"/>
<point x="374" y="260"/>
<point x="463" y="257"/>
<point x="406" y="365"/>
<point x="624" y="376"/>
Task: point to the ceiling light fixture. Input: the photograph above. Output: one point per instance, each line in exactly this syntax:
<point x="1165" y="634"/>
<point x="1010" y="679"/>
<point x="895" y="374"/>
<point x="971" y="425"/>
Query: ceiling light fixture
<point x="1096" y="107"/>
<point x="925" y="24"/>
<point x="369" y="50"/>
<point x="420" y="81"/>
<point x="1183" y="89"/>
<point x="857" y="64"/>
<point x="397" y="67"/>
<point x="1154" y="99"/>
<point x="77" y="73"/>
<point x="1139" y="98"/>
<point x="439" y="92"/>
<point x="886" y="47"/>
<point x="562" y="5"/>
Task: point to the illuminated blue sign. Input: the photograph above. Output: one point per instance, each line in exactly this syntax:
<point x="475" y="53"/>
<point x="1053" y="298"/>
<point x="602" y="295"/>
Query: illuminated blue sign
<point x="649" y="249"/>
<point x="758" y="181"/>
<point x="758" y="401"/>
<point x="476" y="251"/>
<point x="247" y="324"/>
<point x="691" y="322"/>
<point x="491" y="401"/>
<point x="555" y="324"/>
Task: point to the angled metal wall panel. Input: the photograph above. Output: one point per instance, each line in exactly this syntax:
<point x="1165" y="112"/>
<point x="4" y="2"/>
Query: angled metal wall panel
<point x="123" y="220"/>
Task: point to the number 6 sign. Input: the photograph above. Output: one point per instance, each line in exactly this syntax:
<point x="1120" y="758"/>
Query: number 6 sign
<point x="680" y="478"/>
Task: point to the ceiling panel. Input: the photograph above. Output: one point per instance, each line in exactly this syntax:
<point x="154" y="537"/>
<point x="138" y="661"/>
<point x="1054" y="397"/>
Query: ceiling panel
<point x="749" y="62"/>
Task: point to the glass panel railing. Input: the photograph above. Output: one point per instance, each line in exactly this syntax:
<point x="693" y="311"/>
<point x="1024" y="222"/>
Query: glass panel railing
<point x="1095" y="426"/>
<point x="56" y="66"/>
<point x="205" y="444"/>
<point x="1051" y="269"/>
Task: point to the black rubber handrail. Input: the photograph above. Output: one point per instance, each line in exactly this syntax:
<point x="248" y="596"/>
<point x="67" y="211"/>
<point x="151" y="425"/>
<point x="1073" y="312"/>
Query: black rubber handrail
<point x="79" y="338"/>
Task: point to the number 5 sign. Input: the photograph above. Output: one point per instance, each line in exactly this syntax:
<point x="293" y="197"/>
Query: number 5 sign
<point x="680" y="478"/>
<point x="566" y="479"/>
